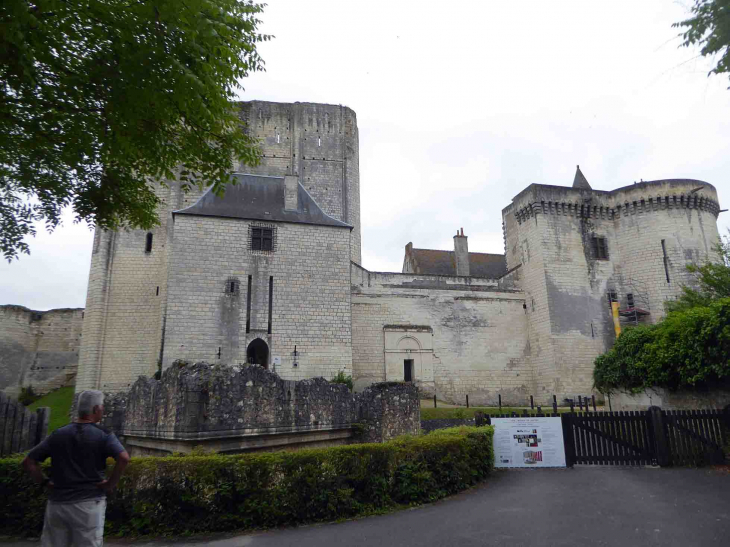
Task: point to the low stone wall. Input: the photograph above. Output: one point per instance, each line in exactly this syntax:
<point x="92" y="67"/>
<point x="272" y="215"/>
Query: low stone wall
<point x="671" y="400"/>
<point x="242" y="408"/>
<point x="442" y="423"/>
<point x="388" y="410"/>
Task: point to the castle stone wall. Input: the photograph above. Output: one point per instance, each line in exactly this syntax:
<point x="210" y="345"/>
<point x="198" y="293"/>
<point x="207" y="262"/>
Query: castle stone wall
<point x="310" y="268"/>
<point x="318" y="142"/>
<point x="126" y="299"/>
<point x="464" y="335"/>
<point x="549" y="230"/>
<point x="38" y="348"/>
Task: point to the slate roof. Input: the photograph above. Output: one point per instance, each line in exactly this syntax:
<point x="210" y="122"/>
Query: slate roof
<point x="258" y="197"/>
<point x="580" y="181"/>
<point x="430" y="261"/>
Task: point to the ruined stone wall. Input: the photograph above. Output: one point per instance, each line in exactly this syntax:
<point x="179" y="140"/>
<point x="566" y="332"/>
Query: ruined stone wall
<point x="550" y="229"/>
<point x="318" y="142"/>
<point x="310" y="267"/>
<point x="205" y="402"/>
<point x="388" y="410"/>
<point x="38" y="348"/>
<point x="464" y="335"/>
<point x="126" y="299"/>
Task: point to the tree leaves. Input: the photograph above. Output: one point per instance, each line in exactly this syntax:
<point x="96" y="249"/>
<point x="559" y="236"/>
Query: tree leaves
<point x="102" y="99"/>
<point x="709" y="27"/>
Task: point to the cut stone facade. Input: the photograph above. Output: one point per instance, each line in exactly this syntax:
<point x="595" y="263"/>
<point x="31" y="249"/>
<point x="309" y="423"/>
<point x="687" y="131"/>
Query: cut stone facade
<point x="270" y="273"/>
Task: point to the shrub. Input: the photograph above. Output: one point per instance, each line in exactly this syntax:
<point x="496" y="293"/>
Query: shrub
<point x="690" y="348"/>
<point x="197" y="494"/>
<point x="341" y="378"/>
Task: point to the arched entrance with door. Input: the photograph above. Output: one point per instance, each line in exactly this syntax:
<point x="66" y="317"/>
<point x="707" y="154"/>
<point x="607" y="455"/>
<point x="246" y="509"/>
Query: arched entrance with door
<point x="257" y="353"/>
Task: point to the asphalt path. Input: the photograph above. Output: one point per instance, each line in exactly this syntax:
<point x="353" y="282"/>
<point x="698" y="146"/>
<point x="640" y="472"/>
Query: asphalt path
<point x="585" y="506"/>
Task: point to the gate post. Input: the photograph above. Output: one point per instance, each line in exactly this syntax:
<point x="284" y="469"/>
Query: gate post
<point x="568" y="439"/>
<point x="660" y="437"/>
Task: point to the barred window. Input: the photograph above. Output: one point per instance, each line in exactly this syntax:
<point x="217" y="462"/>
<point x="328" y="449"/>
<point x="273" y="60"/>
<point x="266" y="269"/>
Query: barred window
<point x="262" y="239"/>
<point x="600" y="248"/>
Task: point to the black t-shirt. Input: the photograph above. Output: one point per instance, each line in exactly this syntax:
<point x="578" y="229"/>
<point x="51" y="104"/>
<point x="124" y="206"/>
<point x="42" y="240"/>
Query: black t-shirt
<point x="78" y="455"/>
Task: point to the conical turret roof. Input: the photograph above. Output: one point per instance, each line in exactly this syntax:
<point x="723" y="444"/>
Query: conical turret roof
<point x="580" y="181"/>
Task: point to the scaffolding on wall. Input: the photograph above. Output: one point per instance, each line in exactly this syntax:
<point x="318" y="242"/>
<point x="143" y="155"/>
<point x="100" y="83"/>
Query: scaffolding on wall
<point x="634" y="305"/>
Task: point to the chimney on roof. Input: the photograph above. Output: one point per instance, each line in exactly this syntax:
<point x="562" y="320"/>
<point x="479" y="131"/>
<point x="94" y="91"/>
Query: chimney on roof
<point x="461" y="253"/>
<point x="291" y="192"/>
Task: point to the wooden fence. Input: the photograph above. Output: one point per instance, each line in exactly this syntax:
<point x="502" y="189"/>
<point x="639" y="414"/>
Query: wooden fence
<point x="21" y="429"/>
<point x="650" y="437"/>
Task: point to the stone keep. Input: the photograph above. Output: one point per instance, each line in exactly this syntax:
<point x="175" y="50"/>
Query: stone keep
<point x="129" y="301"/>
<point x="270" y="273"/>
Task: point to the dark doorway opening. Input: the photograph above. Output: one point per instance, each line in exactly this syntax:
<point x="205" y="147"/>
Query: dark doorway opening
<point x="257" y="353"/>
<point x="408" y="370"/>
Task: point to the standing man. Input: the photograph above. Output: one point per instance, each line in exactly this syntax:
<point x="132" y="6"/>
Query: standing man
<point x="77" y="488"/>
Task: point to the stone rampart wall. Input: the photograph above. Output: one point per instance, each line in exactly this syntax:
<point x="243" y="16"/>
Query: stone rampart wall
<point x="463" y="336"/>
<point x="38" y="348"/>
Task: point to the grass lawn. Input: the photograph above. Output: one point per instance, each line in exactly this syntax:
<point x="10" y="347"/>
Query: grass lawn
<point x="59" y="402"/>
<point x="463" y="412"/>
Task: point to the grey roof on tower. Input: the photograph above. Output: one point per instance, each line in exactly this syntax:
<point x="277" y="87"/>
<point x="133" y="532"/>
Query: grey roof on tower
<point x="258" y="197"/>
<point x="580" y="181"/>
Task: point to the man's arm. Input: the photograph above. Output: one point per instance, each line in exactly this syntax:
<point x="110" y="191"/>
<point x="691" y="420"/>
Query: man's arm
<point x="32" y="465"/>
<point x="34" y="469"/>
<point x="111" y="483"/>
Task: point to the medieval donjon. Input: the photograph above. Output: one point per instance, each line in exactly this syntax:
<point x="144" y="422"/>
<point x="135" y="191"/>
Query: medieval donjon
<point x="270" y="273"/>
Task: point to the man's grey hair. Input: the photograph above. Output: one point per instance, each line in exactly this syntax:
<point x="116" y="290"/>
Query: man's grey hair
<point x="88" y="400"/>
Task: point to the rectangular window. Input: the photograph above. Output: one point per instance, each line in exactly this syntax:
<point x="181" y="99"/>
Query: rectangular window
<point x="630" y="300"/>
<point x="600" y="248"/>
<point x="612" y="297"/>
<point x="262" y="239"/>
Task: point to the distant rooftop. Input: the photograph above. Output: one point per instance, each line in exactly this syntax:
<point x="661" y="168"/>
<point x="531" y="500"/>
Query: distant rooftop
<point x="434" y="262"/>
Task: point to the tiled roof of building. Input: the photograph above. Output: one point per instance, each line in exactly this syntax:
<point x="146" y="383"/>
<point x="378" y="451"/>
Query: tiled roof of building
<point x="430" y="261"/>
<point x="258" y="197"/>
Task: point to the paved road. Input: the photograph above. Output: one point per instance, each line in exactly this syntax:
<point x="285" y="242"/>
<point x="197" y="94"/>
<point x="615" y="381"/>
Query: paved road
<point x="553" y="507"/>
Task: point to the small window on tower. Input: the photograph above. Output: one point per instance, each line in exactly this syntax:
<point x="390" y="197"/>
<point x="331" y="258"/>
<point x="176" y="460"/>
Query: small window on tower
<point x="262" y="239"/>
<point x="600" y="248"/>
<point x="630" y="300"/>
<point x="148" y="243"/>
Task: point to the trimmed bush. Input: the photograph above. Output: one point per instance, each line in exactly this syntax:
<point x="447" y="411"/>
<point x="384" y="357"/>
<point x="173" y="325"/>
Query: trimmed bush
<point x="181" y="495"/>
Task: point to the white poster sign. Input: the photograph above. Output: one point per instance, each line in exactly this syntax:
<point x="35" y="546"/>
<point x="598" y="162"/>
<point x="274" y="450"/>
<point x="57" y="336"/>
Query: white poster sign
<point x="276" y="359"/>
<point x="528" y="442"/>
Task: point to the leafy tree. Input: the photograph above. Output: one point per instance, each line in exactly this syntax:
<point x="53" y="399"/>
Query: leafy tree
<point x="709" y="27"/>
<point x="712" y="281"/>
<point x="690" y="348"/>
<point x="99" y="98"/>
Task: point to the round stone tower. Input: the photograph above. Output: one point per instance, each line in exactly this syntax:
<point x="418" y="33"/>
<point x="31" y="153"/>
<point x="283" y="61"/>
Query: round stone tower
<point x="317" y="142"/>
<point x="660" y="227"/>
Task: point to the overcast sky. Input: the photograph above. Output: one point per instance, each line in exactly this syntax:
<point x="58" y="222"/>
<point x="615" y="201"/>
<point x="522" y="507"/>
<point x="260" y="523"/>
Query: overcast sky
<point x="462" y="104"/>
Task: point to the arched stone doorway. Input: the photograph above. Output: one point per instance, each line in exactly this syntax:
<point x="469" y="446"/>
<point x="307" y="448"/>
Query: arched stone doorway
<point x="257" y="353"/>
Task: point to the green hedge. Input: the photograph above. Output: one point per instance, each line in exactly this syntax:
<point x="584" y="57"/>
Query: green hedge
<point x="195" y="494"/>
